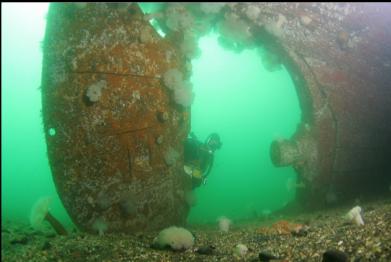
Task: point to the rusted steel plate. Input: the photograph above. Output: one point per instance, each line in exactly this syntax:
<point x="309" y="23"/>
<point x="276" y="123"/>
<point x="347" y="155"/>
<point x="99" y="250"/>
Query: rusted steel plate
<point x="114" y="135"/>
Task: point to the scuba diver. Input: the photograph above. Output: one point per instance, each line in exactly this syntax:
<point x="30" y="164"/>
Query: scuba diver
<point x="199" y="157"/>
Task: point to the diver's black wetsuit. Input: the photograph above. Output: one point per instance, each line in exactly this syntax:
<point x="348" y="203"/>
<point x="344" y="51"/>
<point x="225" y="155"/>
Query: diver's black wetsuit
<point x="200" y="156"/>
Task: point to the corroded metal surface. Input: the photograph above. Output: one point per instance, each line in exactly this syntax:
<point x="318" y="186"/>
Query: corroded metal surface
<point x="339" y="60"/>
<point x="114" y="135"/>
<point x="340" y="54"/>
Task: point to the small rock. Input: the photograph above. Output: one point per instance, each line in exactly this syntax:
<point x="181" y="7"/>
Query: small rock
<point x="263" y="256"/>
<point x="300" y="231"/>
<point x="21" y="240"/>
<point x="206" y="250"/>
<point x="334" y="256"/>
<point x="46" y="245"/>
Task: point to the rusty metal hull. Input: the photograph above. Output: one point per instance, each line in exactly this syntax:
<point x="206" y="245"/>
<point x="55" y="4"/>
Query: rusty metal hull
<point x="338" y="57"/>
<point x="114" y="135"/>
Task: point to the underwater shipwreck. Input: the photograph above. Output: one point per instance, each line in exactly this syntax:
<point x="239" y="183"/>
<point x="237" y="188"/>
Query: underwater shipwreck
<point x="115" y="130"/>
<point x="116" y="107"/>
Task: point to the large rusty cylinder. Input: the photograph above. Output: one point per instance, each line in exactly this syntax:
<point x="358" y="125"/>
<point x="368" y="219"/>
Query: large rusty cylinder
<point x="114" y="134"/>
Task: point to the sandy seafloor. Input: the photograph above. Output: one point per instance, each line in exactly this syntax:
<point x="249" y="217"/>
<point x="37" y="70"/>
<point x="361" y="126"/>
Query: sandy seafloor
<point x="327" y="230"/>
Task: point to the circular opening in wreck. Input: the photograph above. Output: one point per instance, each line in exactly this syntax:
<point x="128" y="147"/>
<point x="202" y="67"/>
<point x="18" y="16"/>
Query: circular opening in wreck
<point x="250" y="100"/>
<point x="245" y="94"/>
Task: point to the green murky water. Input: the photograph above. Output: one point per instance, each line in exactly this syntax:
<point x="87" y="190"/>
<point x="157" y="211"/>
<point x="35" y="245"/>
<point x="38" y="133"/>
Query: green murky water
<point x="235" y="96"/>
<point x="248" y="109"/>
